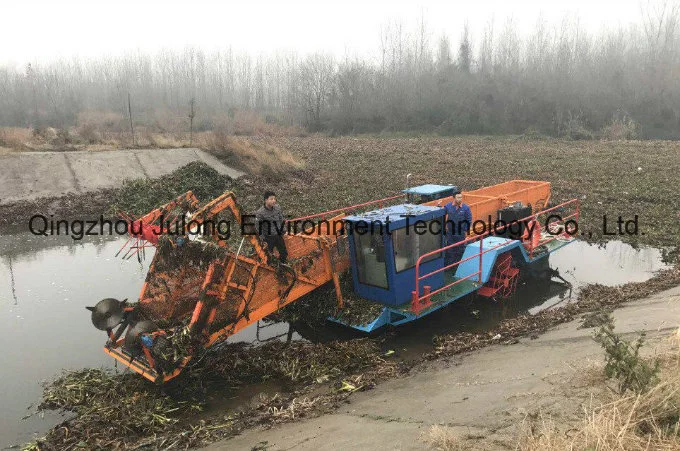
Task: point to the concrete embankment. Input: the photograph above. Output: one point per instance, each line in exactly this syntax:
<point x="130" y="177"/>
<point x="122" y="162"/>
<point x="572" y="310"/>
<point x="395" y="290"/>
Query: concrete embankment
<point x="32" y="175"/>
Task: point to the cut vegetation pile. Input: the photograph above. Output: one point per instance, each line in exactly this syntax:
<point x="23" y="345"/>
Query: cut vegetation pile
<point x="115" y="411"/>
<point x="134" y="196"/>
<point x="140" y="196"/>
<point x="314" y="308"/>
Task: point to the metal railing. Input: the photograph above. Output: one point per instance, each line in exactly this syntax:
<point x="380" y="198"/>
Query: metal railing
<point x="419" y="302"/>
<point x="379" y="202"/>
<point x="553" y="236"/>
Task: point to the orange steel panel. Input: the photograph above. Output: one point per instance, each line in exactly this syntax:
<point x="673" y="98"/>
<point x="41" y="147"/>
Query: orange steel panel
<point x="485" y="202"/>
<point x="177" y="293"/>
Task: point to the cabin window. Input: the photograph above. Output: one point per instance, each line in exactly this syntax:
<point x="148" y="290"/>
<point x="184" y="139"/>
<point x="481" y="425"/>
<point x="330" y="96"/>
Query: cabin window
<point x="370" y="259"/>
<point x="409" y="245"/>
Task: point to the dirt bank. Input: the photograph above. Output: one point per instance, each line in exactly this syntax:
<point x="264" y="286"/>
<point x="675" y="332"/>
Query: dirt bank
<point x="483" y="398"/>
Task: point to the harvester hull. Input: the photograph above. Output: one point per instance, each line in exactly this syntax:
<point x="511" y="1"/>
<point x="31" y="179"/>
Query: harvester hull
<point x="495" y="247"/>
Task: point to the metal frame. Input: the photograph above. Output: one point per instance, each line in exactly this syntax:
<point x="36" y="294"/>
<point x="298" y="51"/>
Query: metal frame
<point x="419" y="302"/>
<point x="316" y="250"/>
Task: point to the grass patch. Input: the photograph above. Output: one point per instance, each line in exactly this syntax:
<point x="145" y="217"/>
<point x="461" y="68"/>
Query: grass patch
<point x="442" y="438"/>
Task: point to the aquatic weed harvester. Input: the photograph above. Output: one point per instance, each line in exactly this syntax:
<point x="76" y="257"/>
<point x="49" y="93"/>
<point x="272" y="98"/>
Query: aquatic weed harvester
<point x="200" y="291"/>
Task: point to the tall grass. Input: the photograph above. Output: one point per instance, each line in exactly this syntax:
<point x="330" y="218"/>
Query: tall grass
<point x="15" y="137"/>
<point x="648" y="420"/>
<point x="256" y="156"/>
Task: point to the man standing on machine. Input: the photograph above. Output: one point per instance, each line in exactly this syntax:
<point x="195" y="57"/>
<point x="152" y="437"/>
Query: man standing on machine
<point x="458" y="222"/>
<point x="270" y="222"/>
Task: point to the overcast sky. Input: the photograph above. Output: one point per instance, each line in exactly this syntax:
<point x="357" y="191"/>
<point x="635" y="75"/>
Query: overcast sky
<point x="43" y="30"/>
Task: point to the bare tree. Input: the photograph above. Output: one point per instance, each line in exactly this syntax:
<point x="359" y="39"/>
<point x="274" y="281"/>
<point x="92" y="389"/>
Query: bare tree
<point x="498" y="82"/>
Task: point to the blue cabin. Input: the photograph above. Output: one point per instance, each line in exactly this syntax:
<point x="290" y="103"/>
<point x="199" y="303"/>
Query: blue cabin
<point x="385" y="245"/>
<point x="426" y="193"/>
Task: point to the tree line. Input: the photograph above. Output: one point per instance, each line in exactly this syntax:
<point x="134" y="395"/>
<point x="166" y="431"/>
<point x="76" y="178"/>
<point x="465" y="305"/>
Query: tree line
<point x="554" y="80"/>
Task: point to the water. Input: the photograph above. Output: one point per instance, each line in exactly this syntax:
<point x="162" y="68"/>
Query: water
<point x="611" y="263"/>
<point x="44" y="287"/>
<point x="45" y="283"/>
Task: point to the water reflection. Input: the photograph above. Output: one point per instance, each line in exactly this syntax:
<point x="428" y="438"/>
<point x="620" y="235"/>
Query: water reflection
<point x="42" y="294"/>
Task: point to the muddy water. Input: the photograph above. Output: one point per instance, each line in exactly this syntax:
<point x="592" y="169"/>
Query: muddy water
<point x="611" y="263"/>
<point x="45" y="283"/>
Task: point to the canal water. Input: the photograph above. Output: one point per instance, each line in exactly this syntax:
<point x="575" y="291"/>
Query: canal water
<point x="46" y="282"/>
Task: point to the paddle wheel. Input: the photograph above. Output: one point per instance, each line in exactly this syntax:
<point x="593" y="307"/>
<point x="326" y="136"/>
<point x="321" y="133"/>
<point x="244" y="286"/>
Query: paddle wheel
<point x="503" y="281"/>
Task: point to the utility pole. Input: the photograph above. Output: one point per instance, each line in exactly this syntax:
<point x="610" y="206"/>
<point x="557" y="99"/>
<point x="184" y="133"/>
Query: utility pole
<point x="30" y="73"/>
<point x="192" y="114"/>
<point x="132" y="129"/>
<point x="11" y="274"/>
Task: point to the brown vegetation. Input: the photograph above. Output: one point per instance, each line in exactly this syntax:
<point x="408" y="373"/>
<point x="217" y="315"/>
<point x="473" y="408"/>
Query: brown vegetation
<point x="444" y="438"/>
<point x="630" y="421"/>
<point x="258" y="156"/>
<point x="101" y="130"/>
<point x="123" y="411"/>
<point x="15" y="138"/>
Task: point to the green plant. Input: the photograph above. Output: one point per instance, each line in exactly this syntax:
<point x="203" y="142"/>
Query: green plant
<point x="623" y="361"/>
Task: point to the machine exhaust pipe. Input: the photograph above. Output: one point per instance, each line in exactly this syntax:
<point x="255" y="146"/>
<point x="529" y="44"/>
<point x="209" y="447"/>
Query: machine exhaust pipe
<point x="408" y="185"/>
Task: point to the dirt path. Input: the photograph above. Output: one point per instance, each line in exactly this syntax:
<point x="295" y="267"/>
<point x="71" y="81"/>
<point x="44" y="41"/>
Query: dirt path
<point x="483" y="396"/>
<point x="31" y="175"/>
